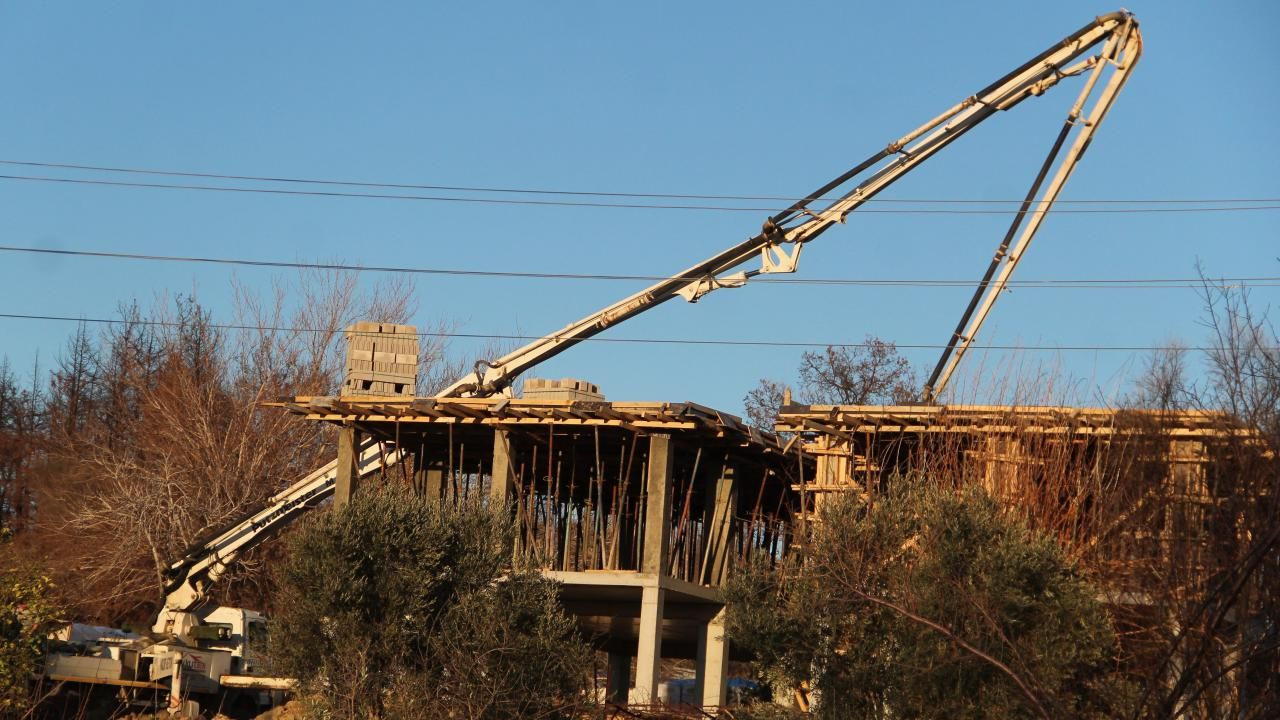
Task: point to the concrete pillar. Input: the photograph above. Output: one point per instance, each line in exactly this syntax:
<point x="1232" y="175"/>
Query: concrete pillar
<point x="719" y="506"/>
<point x="348" y="479"/>
<point x="618" y="680"/>
<point x="657" y="511"/>
<point x="503" y="482"/>
<point x="649" y="645"/>
<point x="428" y="476"/>
<point x="433" y="482"/>
<point x="657" y="538"/>
<point x="712" y="683"/>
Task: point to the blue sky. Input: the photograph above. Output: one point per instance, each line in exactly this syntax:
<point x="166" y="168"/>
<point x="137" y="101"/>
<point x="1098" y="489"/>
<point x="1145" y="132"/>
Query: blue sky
<point x="715" y="98"/>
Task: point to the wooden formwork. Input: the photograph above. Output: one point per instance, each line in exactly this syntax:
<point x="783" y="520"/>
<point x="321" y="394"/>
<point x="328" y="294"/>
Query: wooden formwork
<point x="577" y="474"/>
<point x="1086" y="474"/>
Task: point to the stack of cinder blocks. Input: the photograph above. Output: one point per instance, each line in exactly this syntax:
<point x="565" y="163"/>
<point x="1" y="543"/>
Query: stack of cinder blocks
<point x="382" y="359"/>
<point x="562" y="389"/>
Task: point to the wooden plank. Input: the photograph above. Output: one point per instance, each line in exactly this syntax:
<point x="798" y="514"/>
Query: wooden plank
<point x="824" y="428"/>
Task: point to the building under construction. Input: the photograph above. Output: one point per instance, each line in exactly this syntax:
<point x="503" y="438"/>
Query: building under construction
<point x="638" y="510"/>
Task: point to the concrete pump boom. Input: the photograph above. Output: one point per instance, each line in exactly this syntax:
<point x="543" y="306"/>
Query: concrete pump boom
<point x="778" y="245"/>
<point x="784" y="234"/>
<point x="188" y="580"/>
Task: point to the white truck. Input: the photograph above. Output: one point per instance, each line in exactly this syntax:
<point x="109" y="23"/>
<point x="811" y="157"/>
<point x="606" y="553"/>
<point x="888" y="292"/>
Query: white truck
<point x="197" y="651"/>
<point x="197" y="654"/>
<point x="221" y="664"/>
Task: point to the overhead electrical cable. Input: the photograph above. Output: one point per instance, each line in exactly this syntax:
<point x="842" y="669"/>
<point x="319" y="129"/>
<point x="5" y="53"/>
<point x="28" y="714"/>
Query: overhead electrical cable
<point x="658" y="341"/>
<point x="593" y="193"/>
<point x="1258" y="281"/>
<point x="599" y="204"/>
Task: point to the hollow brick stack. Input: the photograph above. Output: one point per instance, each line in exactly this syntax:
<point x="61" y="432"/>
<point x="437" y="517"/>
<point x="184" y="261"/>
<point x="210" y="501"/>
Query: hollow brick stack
<point x="382" y="359"/>
<point x="568" y="389"/>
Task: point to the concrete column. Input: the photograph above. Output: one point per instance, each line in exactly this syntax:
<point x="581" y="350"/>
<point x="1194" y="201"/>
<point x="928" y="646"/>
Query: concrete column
<point x="618" y="680"/>
<point x="719" y="506"/>
<point x="657" y="511"/>
<point x="433" y="482"/>
<point x="657" y="538"/>
<point x="503" y="483"/>
<point x="649" y="645"/>
<point x="428" y="477"/>
<point x="712" y="683"/>
<point x="348" y="479"/>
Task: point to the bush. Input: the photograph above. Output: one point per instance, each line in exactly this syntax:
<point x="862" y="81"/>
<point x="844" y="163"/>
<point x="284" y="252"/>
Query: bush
<point x="397" y="606"/>
<point x="28" y="611"/>
<point x="930" y="603"/>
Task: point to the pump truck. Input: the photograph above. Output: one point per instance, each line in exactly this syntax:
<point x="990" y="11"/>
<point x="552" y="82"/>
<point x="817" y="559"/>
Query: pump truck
<point x="197" y="652"/>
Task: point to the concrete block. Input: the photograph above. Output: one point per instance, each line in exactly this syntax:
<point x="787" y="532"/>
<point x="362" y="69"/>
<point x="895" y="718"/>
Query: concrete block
<point x="382" y="359"/>
<point x="564" y="389"/>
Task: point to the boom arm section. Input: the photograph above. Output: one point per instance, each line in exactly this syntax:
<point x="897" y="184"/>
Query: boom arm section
<point x="1119" y="54"/>
<point x="191" y="577"/>
<point x="779" y="243"/>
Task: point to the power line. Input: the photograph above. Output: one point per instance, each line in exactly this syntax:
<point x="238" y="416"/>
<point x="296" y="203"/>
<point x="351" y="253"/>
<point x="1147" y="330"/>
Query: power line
<point x="658" y="341"/>
<point x="599" y="204"/>
<point x="1080" y="283"/>
<point x="582" y="193"/>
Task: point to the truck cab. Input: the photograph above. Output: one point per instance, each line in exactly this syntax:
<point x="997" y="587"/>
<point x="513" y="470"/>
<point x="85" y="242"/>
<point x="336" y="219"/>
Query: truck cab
<point x="241" y="633"/>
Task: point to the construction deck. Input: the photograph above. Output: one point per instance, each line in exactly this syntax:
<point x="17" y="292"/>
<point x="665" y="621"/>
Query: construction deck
<point x="639" y="509"/>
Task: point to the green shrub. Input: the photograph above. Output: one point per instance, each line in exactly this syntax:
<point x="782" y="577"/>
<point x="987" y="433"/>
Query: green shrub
<point x="399" y="607"/>
<point x="930" y="603"/>
<point x="28" y="611"/>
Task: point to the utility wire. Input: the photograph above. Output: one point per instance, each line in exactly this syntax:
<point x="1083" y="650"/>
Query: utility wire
<point x="601" y="204"/>
<point x="585" y="193"/>
<point x="1260" y="281"/>
<point x="660" y="341"/>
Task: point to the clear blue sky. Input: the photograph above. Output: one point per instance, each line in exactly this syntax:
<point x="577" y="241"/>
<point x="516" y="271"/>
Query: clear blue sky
<point x="718" y="98"/>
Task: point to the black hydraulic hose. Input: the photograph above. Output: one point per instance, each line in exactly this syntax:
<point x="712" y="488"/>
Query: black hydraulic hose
<point x="998" y="257"/>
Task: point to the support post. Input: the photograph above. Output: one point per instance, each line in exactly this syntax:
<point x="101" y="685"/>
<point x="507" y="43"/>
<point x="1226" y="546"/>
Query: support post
<point x="649" y="645"/>
<point x="721" y="502"/>
<point x="657" y="512"/>
<point x="712" y="680"/>
<point x="657" y="537"/>
<point x="348" y="478"/>
<point x="502" y="481"/>
<point x="428" y="477"/>
<point x="618" y="680"/>
<point x="433" y="483"/>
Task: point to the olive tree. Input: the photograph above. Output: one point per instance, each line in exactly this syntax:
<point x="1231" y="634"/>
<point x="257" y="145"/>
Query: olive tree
<point x="397" y="606"/>
<point x="928" y="602"/>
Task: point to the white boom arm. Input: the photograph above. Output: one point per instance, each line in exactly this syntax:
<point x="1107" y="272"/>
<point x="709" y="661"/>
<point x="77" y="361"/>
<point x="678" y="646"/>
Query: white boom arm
<point x="190" y="578"/>
<point x="778" y="245"/>
<point x="785" y="234"/>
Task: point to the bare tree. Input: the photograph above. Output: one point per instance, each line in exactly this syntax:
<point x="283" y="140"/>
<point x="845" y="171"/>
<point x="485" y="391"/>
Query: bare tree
<point x="169" y="439"/>
<point x="1164" y="385"/>
<point x="763" y="402"/>
<point x="20" y="430"/>
<point x="870" y="373"/>
<point x="1217" y="653"/>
